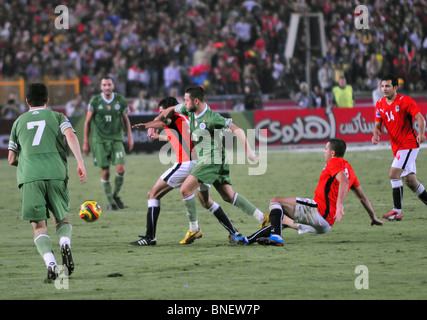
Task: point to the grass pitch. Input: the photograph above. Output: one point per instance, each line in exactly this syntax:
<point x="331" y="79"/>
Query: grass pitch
<point x="307" y="267"/>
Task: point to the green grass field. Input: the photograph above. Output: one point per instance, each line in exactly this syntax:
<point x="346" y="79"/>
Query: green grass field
<point x="307" y="267"/>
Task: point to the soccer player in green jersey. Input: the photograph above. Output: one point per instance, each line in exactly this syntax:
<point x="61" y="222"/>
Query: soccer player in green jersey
<point x="207" y="127"/>
<point x="38" y="150"/>
<point x="108" y="113"/>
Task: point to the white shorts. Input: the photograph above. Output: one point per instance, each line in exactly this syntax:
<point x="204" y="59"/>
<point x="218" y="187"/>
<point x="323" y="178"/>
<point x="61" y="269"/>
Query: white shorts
<point x="405" y="159"/>
<point x="308" y="219"/>
<point x="176" y="175"/>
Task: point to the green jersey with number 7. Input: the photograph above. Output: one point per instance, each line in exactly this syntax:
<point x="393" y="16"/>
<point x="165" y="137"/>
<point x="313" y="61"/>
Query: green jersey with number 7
<point x="37" y="136"/>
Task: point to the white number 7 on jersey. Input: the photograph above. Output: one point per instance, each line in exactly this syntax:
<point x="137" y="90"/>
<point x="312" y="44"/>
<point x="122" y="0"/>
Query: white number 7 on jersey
<point x="40" y="128"/>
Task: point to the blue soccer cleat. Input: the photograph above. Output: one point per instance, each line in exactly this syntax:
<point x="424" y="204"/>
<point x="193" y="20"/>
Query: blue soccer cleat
<point x="272" y="240"/>
<point x="237" y="239"/>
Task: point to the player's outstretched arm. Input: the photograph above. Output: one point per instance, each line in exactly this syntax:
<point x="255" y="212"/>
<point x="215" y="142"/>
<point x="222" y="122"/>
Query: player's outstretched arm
<point x="367" y="205"/>
<point x="155" y="124"/>
<point x="166" y="114"/>
<point x="241" y="136"/>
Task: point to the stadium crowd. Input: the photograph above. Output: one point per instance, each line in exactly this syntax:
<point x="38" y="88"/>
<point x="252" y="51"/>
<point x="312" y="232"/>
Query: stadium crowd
<point x="228" y="46"/>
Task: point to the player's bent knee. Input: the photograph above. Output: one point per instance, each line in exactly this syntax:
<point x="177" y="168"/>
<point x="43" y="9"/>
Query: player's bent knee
<point x="275" y="200"/>
<point x="227" y="198"/>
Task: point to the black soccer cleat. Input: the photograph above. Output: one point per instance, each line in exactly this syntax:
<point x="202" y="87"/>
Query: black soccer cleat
<point x="144" y="241"/>
<point x="67" y="258"/>
<point x="119" y="202"/>
<point x="112" y="207"/>
<point x="52" y="273"/>
<point x="272" y="240"/>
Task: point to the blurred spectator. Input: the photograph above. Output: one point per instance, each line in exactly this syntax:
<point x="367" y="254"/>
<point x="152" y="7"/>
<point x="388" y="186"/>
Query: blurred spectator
<point x="342" y="94"/>
<point x="7" y="67"/>
<point x="12" y="108"/>
<point x="172" y="77"/>
<point x="320" y="97"/>
<point x="143" y="104"/>
<point x="76" y="107"/>
<point x="252" y="92"/>
<point x="372" y="66"/>
<point x="33" y="72"/>
<point x="326" y="77"/>
<point x="377" y="94"/>
<point x="278" y="70"/>
<point x="133" y="79"/>
<point x="305" y="98"/>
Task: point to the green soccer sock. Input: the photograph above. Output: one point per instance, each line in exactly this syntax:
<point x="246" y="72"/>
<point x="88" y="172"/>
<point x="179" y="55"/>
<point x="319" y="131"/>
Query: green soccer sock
<point x="190" y="204"/>
<point x="63" y="231"/>
<point x="247" y="207"/>
<point x="118" y="182"/>
<point x="107" y="190"/>
<point x="44" y="247"/>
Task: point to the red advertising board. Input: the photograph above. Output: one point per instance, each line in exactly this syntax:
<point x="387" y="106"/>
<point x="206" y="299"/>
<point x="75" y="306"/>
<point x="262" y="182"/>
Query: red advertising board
<point x="292" y="127"/>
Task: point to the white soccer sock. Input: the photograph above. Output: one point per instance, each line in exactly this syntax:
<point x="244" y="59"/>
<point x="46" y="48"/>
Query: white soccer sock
<point x="48" y="258"/>
<point x="65" y="240"/>
<point x="194" y="226"/>
<point x="153" y="203"/>
<point x="259" y="215"/>
<point x="420" y="189"/>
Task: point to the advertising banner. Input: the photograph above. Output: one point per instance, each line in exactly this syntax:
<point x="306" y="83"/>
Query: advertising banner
<point x="293" y="127"/>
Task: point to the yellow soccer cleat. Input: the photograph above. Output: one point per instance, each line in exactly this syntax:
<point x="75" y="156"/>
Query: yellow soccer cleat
<point x="191" y="236"/>
<point x="266" y="221"/>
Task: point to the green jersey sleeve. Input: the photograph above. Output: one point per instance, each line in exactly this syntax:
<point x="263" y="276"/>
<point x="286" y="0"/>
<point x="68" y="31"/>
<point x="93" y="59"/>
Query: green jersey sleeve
<point x="217" y="121"/>
<point x="182" y="109"/>
<point x="13" y="140"/>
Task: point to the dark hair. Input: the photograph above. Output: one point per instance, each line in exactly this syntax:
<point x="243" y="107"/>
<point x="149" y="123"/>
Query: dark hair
<point x="107" y="77"/>
<point x="394" y="80"/>
<point x="339" y="146"/>
<point x="37" y="94"/>
<point x="168" y="102"/>
<point x="196" y="93"/>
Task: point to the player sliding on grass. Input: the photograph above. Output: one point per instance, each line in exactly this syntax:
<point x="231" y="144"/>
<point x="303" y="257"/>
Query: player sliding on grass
<point x="178" y="134"/>
<point x="396" y="112"/>
<point x="316" y="215"/>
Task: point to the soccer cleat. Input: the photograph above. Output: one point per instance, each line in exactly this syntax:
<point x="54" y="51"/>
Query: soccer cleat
<point x="144" y="241"/>
<point x="272" y="240"/>
<point x="52" y="272"/>
<point x="266" y="220"/>
<point x="191" y="236"/>
<point x="393" y="216"/>
<point x="237" y="239"/>
<point x="67" y="258"/>
<point x="112" y="207"/>
<point x="119" y="202"/>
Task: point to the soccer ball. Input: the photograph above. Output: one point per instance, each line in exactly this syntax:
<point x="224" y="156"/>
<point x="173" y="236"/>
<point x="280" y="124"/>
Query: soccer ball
<point x="90" y="211"/>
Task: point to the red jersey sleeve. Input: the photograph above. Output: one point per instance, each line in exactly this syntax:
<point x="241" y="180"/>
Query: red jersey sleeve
<point x="377" y="111"/>
<point x="411" y="106"/>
